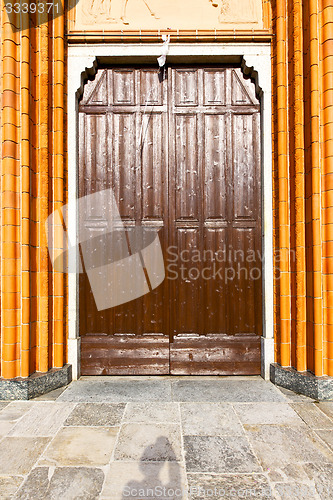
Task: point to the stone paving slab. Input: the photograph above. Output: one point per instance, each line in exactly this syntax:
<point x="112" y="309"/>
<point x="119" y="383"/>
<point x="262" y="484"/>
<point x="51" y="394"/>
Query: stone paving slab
<point x="114" y="391"/>
<point x="218" y="486"/>
<point x="152" y="413"/>
<point x="219" y="454"/>
<point x="82" y="446"/>
<point x="15" y="410"/>
<point x="149" y="443"/>
<point x="43" y="419"/>
<point x="313" y="416"/>
<point x="96" y="415"/>
<point x="296" y="491"/>
<point x="294" y="397"/>
<point x="69" y="483"/>
<point x="326" y="436"/>
<point x="9" y="485"/>
<point x="210" y="419"/>
<point x="276" y="446"/>
<point x="150" y="389"/>
<point x="101" y="435"/>
<point x="288" y="473"/>
<point x="322" y="476"/>
<point x="52" y="395"/>
<point x="19" y="454"/>
<point x="315" y="469"/>
<point x="234" y="390"/>
<point x="327" y="408"/>
<point x="138" y="480"/>
<point x="267" y="413"/>
<point x="5" y="427"/>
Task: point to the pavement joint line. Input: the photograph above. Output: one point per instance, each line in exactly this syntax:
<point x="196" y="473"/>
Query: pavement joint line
<point x="114" y="448"/>
<point x="183" y="447"/>
<point x="323" y="441"/>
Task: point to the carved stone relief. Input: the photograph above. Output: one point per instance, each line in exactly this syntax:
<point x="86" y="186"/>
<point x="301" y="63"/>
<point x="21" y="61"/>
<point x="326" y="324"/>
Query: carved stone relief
<point x="163" y="14"/>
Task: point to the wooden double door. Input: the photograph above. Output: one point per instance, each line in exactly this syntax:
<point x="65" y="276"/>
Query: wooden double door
<point x="181" y="152"/>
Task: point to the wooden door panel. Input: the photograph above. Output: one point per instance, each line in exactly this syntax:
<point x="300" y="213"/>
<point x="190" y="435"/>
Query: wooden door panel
<point x="96" y="92"/>
<point x="152" y="167"/>
<point x="95" y="152"/>
<point x="215" y="355"/>
<point x="215" y="189"/>
<point x="241" y="288"/>
<point x="186" y="167"/>
<point x="125" y="354"/>
<point x="187" y="287"/>
<point x="182" y="156"/>
<point x="214" y="296"/>
<point x="124" y="169"/>
<point x="151" y="90"/>
<point x="242" y="89"/>
<point x="244" y="179"/>
<point x="127" y="153"/>
<point x="186" y="87"/>
<point x="123" y="87"/>
<point x="217" y="200"/>
<point x="214" y="87"/>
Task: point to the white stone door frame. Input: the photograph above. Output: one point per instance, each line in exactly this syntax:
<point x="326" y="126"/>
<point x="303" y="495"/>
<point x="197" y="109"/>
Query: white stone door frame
<point x="255" y="59"/>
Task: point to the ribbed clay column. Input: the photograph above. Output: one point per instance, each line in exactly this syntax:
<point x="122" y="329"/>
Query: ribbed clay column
<point x="11" y="284"/>
<point x="283" y="176"/>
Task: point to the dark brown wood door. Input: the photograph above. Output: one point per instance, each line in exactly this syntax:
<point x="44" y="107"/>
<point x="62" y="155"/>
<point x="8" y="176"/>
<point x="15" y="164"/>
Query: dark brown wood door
<point x="182" y="156"/>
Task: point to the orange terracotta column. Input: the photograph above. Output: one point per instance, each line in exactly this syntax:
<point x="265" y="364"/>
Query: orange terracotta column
<point x="305" y="82"/>
<point x="58" y="159"/>
<point x="11" y="284"/>
<point x="33" y="329"/>
<point x="299" y="261"/>
<point x="25" y="194"/>
<point x="316" y="188"/>
<point x="283" y="176"/>
<point x="42" y="199"/>
<point x="326" y="23"/>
